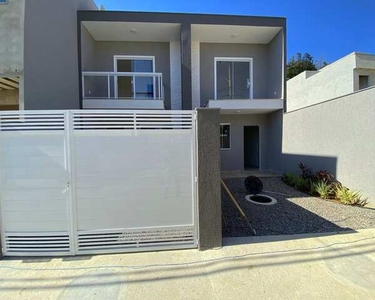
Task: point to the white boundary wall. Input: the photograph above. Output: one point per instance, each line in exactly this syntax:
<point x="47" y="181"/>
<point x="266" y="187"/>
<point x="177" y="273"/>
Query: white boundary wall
<point x="81" y="182"/>
<point x="337" y="135"/>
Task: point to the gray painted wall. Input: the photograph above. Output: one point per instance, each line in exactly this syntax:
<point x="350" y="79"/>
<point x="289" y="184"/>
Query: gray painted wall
<point x="274" y="141"/>
<point x="87" y="50"/>
<point x="276" y="67"/>
<point x="208" y="51"/>
<point x="268" y="63"/>
<point x="233" y="159"/>
<point x="51" y="53"/>
<point x="104" y="52"/>
<point x="337" y="135"/>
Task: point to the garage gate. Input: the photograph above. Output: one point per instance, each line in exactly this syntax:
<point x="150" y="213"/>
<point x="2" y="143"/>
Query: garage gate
<point x="84" y="182"/>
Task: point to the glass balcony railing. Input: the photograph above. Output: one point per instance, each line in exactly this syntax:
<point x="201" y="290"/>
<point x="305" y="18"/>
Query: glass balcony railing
<point x="122" y="85"/>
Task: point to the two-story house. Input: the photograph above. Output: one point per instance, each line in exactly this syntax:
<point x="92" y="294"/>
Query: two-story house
<point x="76" y="56"/>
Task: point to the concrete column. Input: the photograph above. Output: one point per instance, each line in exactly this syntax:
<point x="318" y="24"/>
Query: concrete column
<point x="186" y="65"/>
<point x="209" y="175"/>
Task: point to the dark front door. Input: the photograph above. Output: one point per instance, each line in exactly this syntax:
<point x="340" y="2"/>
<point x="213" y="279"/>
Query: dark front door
<point x="251" y="147"/>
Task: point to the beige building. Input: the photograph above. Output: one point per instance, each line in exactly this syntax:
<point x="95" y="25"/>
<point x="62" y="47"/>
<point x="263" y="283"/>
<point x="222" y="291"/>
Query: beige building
<point x="11" y="54"/>
<point x="347" y="75"/>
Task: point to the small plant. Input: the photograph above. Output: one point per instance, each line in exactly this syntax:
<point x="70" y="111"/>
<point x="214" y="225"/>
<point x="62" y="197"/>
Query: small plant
<point x="323" y="175"/>
<point x="306" y="172"/>
<point x="322" y="188"/>
<point x="288" y="178"/>
<point x="349" y="197"/>
<point x="296" y="182"/>
<point x="301" y="184"/>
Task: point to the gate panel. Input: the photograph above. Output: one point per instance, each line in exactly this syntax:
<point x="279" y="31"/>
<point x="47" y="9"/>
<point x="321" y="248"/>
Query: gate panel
<point x="134" y="181"/>
<point x="76" y="182"/>
<point x="33" y="181"/>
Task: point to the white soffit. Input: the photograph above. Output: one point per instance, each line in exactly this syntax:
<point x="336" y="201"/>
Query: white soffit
<point x="233" y="34"/>
<point x="133" y="31"/>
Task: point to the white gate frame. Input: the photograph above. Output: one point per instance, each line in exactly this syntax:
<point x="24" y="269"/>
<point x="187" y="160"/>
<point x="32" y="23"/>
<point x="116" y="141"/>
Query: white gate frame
<point x="71" y="180"/>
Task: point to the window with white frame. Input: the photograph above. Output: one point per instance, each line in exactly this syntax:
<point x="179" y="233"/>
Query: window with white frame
<point x="233" y="78"/>
<point x="224" y="136"/>
<point x="134" y="87"/>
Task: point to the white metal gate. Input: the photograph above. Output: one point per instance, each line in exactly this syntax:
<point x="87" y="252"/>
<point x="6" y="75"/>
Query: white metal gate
<point x="85" y="181"/>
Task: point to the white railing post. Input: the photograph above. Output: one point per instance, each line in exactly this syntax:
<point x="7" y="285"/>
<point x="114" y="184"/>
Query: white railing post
<point x="109" y="86"/>
<point x="115" y="86"/>
<point x="133" y="86"/>
<point x="162" y="89"/>
<point x="154" y="86"/>
<point x="83" y="86"/>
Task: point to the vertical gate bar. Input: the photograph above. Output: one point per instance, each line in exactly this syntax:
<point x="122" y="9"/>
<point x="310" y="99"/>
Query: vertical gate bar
<point x="195" y="176"/>
<point x="69" y="127"/>
<point x="2" y="221"/>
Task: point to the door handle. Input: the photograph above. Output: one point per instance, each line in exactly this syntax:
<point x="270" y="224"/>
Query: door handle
<point x="248" y="83"/>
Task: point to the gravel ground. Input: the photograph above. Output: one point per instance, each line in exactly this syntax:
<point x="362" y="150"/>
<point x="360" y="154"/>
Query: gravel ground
<point x="293" y="214"/>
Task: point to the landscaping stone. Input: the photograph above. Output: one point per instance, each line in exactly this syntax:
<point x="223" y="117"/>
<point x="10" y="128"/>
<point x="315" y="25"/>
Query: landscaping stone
<point x="294" y="212"/>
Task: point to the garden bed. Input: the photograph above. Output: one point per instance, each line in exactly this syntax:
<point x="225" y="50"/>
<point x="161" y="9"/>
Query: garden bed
<point x="294" y="213"/>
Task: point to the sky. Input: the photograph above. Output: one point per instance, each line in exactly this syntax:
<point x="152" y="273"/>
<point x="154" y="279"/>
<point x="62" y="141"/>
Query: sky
<point x="328" y="30"/>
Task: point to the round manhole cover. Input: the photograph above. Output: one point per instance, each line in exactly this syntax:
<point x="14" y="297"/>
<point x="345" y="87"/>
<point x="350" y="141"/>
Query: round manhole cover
<point x="261" y="199"/>
<point x="253" y="185"/>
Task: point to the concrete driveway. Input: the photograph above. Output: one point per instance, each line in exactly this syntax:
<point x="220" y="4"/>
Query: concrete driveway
<point x="325" y="266"/>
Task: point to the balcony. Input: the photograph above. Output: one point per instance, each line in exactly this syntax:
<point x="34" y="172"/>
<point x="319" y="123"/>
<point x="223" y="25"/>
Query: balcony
<point x="122" y="90"/>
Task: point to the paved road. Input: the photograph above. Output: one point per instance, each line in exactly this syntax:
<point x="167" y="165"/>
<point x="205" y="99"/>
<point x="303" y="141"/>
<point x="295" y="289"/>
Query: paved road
<point x="327" y="266"/>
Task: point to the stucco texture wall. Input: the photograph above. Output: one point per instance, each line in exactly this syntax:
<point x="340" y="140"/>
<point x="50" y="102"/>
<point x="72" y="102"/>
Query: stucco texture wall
<point x="332" y="81"/>
<point x="233" y="159"/>
<point x="51" y="53"/>
<point x="267" y="66"/>
<point x="269" y="134"/>
<point x="338" y="136"/>
<point x="11" y="37"/>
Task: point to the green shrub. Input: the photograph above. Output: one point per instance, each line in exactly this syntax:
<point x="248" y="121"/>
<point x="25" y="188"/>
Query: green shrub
<point x="288" y="178"/>
<point x="349" y="197"/>
<point x="322" y="188"/>
<point x="296" y="181"/>
<point x="301" y="184"/>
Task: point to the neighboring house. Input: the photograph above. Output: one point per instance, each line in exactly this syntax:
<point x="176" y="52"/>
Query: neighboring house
<point x="329" y="122"/>
<point x="349" y="74"/>
<point x="138" y="60"/>
<point x="11" y="54"/>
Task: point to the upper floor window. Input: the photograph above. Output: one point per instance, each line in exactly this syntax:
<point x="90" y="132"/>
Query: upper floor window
<point x="133" y="87"/>
<point x="363" y="82"/>
<point x="233" y="78"/>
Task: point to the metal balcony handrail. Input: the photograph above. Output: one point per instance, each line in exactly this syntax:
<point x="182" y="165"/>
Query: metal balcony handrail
<point x="130" y="74"/>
